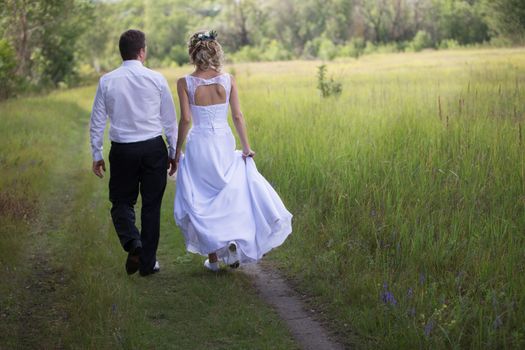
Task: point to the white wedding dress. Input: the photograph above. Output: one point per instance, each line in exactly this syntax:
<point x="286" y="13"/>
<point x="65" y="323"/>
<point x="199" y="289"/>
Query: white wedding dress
<point x="220" y="197"/>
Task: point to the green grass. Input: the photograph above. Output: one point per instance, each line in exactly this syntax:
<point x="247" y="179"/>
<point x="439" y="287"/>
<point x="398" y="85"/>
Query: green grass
<point x="390" y="195"/>
<point x="409" y="186"/>
<point x="64" y="284"/>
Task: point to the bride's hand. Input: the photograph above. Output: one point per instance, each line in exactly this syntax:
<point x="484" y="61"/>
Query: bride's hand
<point x="249" y="153"/>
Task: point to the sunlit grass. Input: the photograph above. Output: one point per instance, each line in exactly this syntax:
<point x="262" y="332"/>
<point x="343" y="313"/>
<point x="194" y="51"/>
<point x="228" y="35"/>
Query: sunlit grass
<point x="408" y="195"/>
<point x="410" y="185"/>
<point x="62" y="269"/>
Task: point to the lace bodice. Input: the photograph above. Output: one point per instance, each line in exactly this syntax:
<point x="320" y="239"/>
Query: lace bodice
<point x="212" y="116"/>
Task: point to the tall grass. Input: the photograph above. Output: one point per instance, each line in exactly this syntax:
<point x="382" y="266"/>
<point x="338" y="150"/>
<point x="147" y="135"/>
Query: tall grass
<point x="62" y="268"/>
<point x="408" y="195"/>
<point x="408" y="191"/>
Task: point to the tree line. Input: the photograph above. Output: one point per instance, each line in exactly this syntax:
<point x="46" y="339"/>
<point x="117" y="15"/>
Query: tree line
<point x="50" y="43"/>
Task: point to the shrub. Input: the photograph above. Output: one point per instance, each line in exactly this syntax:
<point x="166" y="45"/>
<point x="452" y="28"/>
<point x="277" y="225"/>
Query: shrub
<point x="268" y="50"/>
<point x="369" y="48"/>
<point x="421" y="40"/>
<point x="311" y="48"/>
<point x="179" y="54"/>
<point x="353" y="48"/>
<point x="327" y="50"/>
<point x="388" y="48"/>
<point x="247" y="54"/>
<point x="275" y="51"/>
<point x="448" y="44"/>
<point x="327" y="87"/>
<point x="8" y="80"/>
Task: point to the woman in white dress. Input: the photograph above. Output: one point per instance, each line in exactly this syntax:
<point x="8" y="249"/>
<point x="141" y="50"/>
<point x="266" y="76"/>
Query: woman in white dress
<point x="224" y="207"/>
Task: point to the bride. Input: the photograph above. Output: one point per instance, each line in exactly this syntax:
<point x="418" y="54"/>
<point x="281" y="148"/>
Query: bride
<point x="224" y="207"/>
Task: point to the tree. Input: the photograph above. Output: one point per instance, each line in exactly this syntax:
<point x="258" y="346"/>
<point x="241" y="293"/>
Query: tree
<point x="507" y="18"/>
<point x="7" y="69"/>
<point x="44" y="34"/>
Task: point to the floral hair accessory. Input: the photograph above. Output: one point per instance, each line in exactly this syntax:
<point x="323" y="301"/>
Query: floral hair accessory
<point x="208" y="35"/>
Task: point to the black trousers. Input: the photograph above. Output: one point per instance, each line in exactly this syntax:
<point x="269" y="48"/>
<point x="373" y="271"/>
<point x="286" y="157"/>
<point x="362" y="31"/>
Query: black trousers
<point x="138" y="166"/>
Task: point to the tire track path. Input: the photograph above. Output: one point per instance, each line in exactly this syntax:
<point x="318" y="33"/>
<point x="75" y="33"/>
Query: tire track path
<point x="273" y="288"/>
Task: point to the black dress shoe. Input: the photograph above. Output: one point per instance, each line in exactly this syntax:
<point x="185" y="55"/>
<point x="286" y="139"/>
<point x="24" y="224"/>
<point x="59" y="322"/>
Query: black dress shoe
<point x="133" y="260"/>
<point x="155" y="269"/>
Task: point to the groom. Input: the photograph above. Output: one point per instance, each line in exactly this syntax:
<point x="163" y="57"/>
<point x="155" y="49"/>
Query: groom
<point x="140" y="107"/>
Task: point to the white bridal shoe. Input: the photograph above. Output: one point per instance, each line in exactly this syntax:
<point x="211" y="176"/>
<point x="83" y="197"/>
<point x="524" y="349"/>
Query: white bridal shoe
<point x="212" y="266"/>
<point x="233" y="258"/>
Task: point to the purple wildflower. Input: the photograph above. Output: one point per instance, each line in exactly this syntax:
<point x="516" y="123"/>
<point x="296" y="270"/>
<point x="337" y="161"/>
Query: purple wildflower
<point x="428" y="328"/>
<point x="422" y="278"/>
<point x="410" y="293"/>
<point x="387" y="297"/>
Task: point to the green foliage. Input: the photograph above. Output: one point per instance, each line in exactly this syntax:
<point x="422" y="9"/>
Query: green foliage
<point x="448" y="44"/>
<point x="354" y="48"/>
<point x="62" y="265"/>
<point x="422" y="40"/>
<point x="311" y="48"/>
<point x="50" y="51"/>
<point x="267" y="51"/>
<point x="327" y="50"/>
<point x="384" y="191"/>
<point x="327" y="87"/>
<point x="8" y="80"/>
<point x="275" y="51"/>
<point x="179" y="54"/>
<point x="507" y="19"/>
<point x="463" y="21"/>
<point x="247" y="54"/>
<point x="59" y="43"/>
<point x="45" y="35"/>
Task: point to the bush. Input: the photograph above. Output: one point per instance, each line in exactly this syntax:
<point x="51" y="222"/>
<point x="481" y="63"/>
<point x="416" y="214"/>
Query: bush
<point x="327" y="87"/>
<point x="448" y="44"/>
<point x="275" y="51"/>
<point x="354" y="48"/>
<point x="86" y="72"/>
<point x="8" y="80"/>
<point x="247" y="54"/>
<point x="388" y="48"/>
<point x="267" y="51"/>
<point x="311" y="48"/>
<point x="179" y="54"/>
<point x="369" y="48"/>
<point x="327" y="50"/>
<point x="422" y="40"/>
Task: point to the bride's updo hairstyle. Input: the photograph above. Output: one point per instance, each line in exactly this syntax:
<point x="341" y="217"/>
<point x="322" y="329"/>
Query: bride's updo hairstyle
<point x="205" y="51"/>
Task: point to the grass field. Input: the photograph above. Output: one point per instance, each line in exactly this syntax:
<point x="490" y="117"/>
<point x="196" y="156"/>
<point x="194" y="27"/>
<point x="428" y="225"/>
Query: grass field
<point x="408" y="195"/>
<point x="62" y="269"/>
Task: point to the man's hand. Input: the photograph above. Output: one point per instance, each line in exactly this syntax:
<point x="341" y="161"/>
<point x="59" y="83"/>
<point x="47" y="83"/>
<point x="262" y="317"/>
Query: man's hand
<point x="99" y="167"/>
<point x="172" y="166"/>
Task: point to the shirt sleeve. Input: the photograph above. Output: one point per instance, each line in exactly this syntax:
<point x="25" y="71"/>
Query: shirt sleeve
<point x="168" y="117"/>
<point x="98" y="123"/>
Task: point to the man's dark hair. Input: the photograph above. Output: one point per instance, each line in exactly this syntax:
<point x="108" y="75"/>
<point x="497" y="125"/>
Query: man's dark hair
<point x="130" y="43"/>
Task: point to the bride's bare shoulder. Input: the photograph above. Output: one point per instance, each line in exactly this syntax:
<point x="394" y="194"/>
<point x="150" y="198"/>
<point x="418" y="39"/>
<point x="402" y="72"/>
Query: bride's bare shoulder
<point x="181" y="84"/>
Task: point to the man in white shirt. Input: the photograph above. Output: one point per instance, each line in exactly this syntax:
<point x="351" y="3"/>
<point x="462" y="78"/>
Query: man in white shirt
<point x="140" y="108"/>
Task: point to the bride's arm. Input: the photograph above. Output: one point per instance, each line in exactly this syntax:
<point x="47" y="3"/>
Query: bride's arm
<point x="238" y="120"/>
<point x="185" y="120"/>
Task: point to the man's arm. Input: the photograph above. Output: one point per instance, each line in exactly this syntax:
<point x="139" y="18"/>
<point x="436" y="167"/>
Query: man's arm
<point x="96" y="131"/>
<point x="168" y="117"/>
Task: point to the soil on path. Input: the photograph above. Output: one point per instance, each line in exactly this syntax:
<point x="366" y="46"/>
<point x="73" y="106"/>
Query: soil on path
<point x="273" y="288"/>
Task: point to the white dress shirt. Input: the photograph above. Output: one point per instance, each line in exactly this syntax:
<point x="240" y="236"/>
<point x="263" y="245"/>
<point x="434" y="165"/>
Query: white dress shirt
<point x="139" y="104"/>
